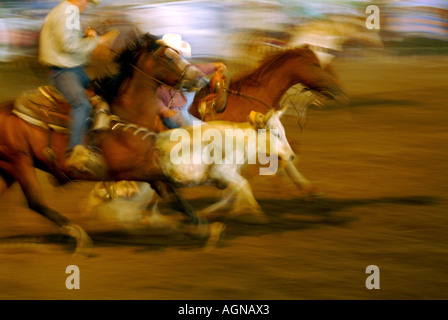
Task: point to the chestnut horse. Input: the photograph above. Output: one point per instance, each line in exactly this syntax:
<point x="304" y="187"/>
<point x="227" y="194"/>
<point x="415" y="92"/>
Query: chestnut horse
<point x="264" y="88"/>
<point x="128" y="154"/>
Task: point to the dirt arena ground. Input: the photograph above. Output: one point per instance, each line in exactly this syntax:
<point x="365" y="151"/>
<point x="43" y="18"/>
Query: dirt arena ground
<point x="381" y="163"/>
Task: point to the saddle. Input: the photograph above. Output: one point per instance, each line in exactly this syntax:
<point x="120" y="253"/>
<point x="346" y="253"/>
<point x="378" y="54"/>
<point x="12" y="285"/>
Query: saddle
<point x="47" y="108"/>
<point x="44" y="107"/>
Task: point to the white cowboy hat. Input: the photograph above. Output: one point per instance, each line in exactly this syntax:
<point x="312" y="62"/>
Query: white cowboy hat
<point x="174" y="40"/>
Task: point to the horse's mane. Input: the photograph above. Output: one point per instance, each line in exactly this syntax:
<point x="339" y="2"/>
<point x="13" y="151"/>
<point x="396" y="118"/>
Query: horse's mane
<point x="270" y="62"/>
<point x="108" y="85"/>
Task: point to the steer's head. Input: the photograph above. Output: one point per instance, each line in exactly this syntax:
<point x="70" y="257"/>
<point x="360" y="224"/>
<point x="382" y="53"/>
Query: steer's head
<point x="276" y="141"/>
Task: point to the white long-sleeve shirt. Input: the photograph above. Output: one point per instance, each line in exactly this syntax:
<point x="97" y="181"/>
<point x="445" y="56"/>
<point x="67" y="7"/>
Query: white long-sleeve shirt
<point x="61" y="42"/>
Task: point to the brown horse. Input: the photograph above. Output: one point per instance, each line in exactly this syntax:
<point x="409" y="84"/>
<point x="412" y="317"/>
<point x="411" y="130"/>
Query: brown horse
<point x="264" y="88"/>
<point x="128" y="150"/>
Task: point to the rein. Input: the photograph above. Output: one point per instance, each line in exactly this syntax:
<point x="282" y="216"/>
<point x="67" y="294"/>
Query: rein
<point x="239" y="93"/>
<point x="313" y="98"/>
<point x="176" y="87"/>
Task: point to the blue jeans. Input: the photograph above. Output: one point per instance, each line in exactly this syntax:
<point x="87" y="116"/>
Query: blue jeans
<point x="72" y="83"/>
<point x="182" y="118"/>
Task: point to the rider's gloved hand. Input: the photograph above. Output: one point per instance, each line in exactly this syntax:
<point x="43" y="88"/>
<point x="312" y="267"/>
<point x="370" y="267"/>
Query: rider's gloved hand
<point x="90" y="32"/>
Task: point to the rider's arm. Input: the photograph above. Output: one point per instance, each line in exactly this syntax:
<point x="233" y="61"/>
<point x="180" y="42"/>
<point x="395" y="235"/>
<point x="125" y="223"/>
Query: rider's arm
<point x="65" y="29"/>
<point x="209" y="68"/>
<point x="71" y="38"/>
<point x="167" y="100"/>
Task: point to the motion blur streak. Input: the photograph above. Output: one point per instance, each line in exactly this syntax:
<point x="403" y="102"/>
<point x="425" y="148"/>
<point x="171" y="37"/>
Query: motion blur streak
<point x="380" y="163"/>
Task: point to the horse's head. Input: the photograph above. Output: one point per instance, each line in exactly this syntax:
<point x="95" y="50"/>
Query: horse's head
<point x="166" y="66"/>
<point x="276" y="136"/>
<point x="153" y="61"/>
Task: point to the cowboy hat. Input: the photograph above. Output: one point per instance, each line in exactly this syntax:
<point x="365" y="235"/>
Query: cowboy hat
<point x="174" y="40"/>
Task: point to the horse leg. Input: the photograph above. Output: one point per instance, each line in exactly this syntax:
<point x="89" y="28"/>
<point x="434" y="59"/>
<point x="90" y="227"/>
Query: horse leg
<point x="227" y="196"/>
<point x="34" y="195"/>
<point x="175" y="201"/>
<point x="299" y="180"/>
<point x="213" y="231"/>
<point x="245" y="208"/>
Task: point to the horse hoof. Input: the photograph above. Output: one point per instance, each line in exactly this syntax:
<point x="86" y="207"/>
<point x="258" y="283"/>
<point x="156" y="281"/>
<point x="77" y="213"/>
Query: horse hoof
<point x="313" y="193"/>
<point x="310" y="193"/>
<point x="83" y="241"/>
<point x="216" y="231"/>
<point x="197" y="230"/>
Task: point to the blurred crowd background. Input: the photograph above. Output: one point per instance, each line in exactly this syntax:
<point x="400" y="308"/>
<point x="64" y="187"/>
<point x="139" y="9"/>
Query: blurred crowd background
<point x="212" y="27"/>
